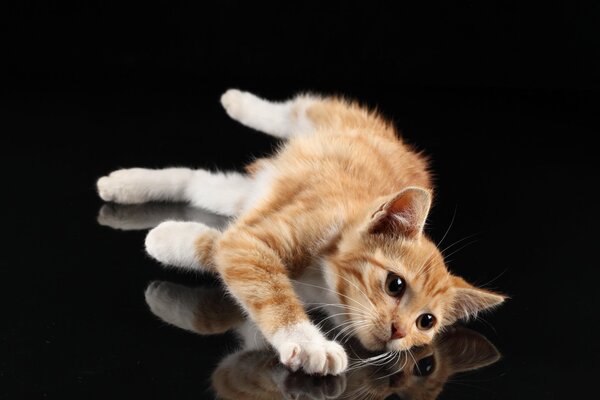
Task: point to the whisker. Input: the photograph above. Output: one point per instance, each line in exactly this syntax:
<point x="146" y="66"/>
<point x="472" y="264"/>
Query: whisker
<point x="338" y="314"/>
<point x="498" y="276"/>
<point x="413" y="357"/>
<point x="344" y="324"/>
<point x="360" y="393"/>
<point x="400" y="353"/>
<point x="351" y="327"/>
<point x="321" y="305"/>
<point x="449" y="226"/>
<point x="359" y="289"/>
<point x="478" y="318"/>
<point x="331" y="290"/>
<point x="349" y="335"/>
<point x="461" y="247"/>
<point x="379" y="360"/>
<point x="426" y="266"/>
<point x="339" y="326"/>
<point x="459" y="241"/>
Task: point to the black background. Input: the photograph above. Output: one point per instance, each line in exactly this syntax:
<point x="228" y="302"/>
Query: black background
<point x="501" y="95"/>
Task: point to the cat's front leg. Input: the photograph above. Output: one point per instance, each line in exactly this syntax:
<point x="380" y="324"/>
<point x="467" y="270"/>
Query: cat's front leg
<point x="254" y="273"/>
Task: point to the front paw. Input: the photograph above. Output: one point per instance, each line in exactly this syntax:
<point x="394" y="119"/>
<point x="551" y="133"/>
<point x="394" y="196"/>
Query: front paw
<point x="323" y="358"/>
<point x="302" y="346"/>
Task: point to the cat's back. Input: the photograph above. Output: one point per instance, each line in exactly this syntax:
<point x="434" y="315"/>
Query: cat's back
<point x="363" y="161"/>
<point x="334" y="168"/>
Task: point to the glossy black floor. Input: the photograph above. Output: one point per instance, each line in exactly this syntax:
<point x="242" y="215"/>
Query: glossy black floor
<point x="511" y="148"/>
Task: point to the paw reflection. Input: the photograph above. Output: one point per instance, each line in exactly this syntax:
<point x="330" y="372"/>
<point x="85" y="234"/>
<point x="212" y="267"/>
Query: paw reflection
<point x="148" y="215"/>
<point x="296" y="385"/>
<point x="253" y="372"/>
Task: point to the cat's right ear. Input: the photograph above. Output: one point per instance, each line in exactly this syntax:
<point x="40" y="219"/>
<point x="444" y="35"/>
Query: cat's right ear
<point x="402" y="214"/>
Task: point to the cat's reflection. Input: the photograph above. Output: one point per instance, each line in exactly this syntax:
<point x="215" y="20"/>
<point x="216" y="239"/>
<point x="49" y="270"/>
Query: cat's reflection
<point x="253" y="372"/>
<point x="149" y="215"/>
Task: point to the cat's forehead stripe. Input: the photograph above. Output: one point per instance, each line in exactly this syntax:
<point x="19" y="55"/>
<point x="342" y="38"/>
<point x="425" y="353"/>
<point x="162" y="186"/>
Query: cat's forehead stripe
<point x="440" y="291"/>
<point x="376" y="263"/>
<point x="430" y="284"/>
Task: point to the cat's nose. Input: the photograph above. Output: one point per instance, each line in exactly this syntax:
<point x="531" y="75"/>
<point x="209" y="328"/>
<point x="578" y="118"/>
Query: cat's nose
<point x="397" y="332"/>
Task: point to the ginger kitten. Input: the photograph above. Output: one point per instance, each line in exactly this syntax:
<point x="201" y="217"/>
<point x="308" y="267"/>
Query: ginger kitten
<point x="344" y="196"/>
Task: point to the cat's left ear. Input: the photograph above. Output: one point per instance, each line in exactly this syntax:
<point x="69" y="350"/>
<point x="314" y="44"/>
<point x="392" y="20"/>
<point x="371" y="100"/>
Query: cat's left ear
<point x="402" y="214"/>
<point x="470" y="300"/>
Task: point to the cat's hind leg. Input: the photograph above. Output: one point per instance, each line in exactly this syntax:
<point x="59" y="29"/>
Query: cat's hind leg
<point x="279" y="119"/>
<point x="219" y="192"/>
<point x="303" y="114"/>
<point x="141" y="185"/>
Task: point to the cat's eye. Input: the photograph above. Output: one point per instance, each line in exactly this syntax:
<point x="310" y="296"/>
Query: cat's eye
<point x="424" y="366"/>
<point x="425" y="322"/>
<point x="394" y="285"/>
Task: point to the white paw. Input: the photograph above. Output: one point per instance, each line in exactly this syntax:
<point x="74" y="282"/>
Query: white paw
<point x="125" y="186"/>
<point x="304" y="347"/>
<point x="232" y="101"/>
<point x="174" y="243"/>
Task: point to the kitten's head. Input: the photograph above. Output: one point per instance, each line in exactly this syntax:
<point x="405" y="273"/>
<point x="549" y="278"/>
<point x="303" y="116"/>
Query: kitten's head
<point x="393" y="279"/>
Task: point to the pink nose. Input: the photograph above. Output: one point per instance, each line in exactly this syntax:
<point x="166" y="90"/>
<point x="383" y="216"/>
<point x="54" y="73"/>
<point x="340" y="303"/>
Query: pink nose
<point x="397" y="333"/>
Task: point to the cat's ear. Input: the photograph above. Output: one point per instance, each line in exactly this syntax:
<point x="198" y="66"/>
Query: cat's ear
<point x="402" y="214"/>
<point x="466" y="350"/>
<point x="470" y="300"/>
